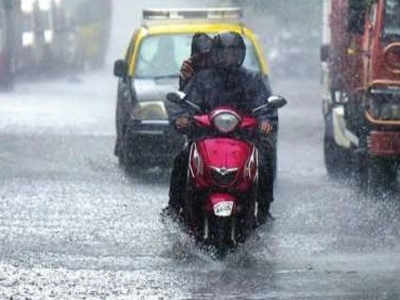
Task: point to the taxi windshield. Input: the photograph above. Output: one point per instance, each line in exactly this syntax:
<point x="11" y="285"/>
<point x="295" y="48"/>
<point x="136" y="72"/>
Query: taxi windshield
<point x="162" y="55"/>
<point x="392" y="20"/>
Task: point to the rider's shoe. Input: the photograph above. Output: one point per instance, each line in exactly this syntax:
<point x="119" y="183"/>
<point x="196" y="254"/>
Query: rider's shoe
<point x="168" y="211"/>
<point x="261" y="220"/>
<point x="172" y="212"/>
<point x="264" y="214"/>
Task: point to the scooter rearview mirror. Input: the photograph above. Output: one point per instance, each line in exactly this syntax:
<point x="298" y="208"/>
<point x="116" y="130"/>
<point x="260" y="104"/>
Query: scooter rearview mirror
<point x="176" y="97"/>
<point x="277" y="101"/>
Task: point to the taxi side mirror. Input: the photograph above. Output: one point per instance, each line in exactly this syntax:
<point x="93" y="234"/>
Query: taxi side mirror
<point x="120" y="68"/>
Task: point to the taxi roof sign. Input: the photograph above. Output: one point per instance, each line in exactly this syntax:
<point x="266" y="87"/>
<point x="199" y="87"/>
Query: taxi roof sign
<point x="193" y="13"/>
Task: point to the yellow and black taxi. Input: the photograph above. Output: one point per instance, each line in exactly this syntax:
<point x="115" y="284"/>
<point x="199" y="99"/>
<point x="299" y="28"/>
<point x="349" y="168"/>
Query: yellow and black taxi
<point x="150" y="70"/>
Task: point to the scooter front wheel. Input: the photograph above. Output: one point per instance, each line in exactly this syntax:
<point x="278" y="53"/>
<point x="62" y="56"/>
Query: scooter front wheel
<point x="224" y="235"/>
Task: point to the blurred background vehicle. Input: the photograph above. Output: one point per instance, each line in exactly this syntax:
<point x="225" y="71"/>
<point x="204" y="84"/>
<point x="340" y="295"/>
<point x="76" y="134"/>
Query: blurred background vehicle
<point x="7" y="45"/>
<point x="52" y="37"/>
<point x="88" y="25"/>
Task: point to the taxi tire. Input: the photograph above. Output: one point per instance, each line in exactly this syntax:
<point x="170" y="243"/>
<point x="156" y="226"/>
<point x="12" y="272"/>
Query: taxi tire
<point x="126" y="157"/>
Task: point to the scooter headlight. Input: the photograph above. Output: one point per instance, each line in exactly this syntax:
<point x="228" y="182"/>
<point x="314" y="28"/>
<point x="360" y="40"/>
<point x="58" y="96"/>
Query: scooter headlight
<point x="226" y="122"/>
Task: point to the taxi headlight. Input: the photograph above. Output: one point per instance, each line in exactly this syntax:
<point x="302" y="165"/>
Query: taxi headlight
<point x="225" y="122"/>
<point x="152" y="110"/>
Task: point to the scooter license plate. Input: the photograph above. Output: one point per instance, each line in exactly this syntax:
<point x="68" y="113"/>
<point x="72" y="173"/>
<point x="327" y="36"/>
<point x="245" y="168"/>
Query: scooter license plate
<point x="223" y="209"/>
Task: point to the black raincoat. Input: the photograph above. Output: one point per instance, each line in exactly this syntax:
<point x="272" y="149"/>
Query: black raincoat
<point x="241" y="89"/>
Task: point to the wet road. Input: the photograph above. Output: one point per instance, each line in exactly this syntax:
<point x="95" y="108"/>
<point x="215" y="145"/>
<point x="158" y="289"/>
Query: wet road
<point x="74" y="226"/>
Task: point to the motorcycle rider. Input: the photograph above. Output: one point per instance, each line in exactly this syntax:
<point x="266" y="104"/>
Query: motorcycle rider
<point x="200" y="59"/>
<point x="228" y="83"/>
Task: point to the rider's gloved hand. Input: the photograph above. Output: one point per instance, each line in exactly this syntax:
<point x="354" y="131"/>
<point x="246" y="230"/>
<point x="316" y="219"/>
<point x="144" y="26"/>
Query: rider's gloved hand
<point x="186" y="71"/>
<point x="265" y="127"/>
<point x="182" y="122"/>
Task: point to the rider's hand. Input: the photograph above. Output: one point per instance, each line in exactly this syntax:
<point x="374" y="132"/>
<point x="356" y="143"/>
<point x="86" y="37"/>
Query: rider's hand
<point x="265" y="127"/>
<point x="182" y="122"/>
<point x="186" y="69"/>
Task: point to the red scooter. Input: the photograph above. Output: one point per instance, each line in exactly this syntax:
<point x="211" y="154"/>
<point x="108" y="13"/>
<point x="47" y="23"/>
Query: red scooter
<point x="220" y="203"/>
